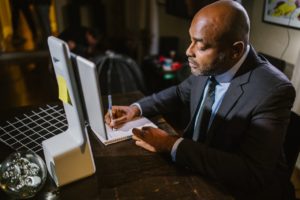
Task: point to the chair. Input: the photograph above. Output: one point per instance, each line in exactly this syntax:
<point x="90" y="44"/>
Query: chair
<point x="279" y="63"/>
<point x="118" y="74"/>
<point x="292" y="141"/>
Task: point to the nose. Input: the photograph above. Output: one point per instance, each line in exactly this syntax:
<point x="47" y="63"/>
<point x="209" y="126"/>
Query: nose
<point x="189" y="51"/>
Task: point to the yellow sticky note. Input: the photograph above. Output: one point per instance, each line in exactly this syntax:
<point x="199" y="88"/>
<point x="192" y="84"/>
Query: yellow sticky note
<point x="63" y="92"/>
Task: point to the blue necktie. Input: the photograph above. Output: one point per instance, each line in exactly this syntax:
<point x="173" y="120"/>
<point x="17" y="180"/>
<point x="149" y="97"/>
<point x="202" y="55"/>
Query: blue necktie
<point x="201" y="123"/>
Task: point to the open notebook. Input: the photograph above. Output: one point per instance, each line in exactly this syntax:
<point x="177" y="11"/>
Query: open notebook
<point x="125" y="132"/>
<point x="94" y="109"/>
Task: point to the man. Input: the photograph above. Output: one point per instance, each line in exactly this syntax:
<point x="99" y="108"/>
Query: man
<point x="240" y="145"/>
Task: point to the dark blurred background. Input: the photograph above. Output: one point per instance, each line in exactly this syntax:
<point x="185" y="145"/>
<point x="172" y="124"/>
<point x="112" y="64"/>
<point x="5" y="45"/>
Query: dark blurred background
<point x="145" y="41"/>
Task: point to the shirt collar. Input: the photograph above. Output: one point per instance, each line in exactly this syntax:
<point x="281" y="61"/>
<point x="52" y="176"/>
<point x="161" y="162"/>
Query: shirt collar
<point x="229" y="74"/>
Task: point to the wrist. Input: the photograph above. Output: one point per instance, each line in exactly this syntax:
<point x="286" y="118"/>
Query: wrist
<point x="136" y="110"/>
<point x="170" y="141"/>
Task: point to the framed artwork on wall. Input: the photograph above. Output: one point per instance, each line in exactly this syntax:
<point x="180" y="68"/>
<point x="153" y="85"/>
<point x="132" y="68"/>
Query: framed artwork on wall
<point x="282" y="12"/>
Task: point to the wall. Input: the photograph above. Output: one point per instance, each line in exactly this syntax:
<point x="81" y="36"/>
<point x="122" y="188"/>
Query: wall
<point x="272" y="39"/>
<point x="174" y="26"/>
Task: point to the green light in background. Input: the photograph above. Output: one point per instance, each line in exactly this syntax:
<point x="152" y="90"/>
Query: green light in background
<point x="169" y="76"/>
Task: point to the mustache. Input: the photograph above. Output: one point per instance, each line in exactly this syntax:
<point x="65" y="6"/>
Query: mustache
<point x="191" y="60"/>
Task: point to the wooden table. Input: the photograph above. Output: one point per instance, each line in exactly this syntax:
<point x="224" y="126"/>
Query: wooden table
<point x="125" y="171"/>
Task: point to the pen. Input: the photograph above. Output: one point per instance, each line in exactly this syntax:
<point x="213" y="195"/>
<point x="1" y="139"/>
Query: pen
<point x="110" y="110"/>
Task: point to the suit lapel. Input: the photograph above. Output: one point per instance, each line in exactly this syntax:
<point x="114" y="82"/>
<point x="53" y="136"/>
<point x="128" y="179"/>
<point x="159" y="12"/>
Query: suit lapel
<point x="232" y="95"/>
<point x="234" y="92"/>
<point x="198" y="92"/>
<point x="196" y="96"/>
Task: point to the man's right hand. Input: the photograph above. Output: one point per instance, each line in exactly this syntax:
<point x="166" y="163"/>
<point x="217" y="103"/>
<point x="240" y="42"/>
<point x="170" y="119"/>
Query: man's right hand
<point x="121" y="115"/>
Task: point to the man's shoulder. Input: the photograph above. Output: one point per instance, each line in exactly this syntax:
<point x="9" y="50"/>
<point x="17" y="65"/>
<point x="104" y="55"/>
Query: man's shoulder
<point x="268" y="74"/>
<point x="261" y="71"/>
<point x="267" y="79"/>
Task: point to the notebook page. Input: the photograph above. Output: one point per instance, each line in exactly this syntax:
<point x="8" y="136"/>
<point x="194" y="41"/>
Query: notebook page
<point x="126" y="129"/>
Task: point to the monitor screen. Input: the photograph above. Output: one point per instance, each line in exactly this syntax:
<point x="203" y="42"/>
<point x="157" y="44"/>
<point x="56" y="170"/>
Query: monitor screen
<point x="91" y="95"/>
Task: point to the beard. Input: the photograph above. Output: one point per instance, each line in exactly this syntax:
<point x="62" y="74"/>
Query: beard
<point x="210" y="69"/>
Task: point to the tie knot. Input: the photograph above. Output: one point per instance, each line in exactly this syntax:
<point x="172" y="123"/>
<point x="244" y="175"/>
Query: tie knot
<point x="212" y="79"/>
<point x="212" y="82"/>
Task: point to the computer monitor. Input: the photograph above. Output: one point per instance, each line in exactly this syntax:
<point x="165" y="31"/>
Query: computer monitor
<point x="91" y="95"/>
<point x="90" y="89"/>
<point x="68" y="155"/>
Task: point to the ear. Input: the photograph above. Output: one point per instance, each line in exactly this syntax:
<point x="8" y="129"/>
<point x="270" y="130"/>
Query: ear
<point x="237" y="50"/>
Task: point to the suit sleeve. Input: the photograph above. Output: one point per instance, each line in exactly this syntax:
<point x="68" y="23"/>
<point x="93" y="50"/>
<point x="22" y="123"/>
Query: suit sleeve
<point x="253" y="163"/>
<point x="167" y="100"/>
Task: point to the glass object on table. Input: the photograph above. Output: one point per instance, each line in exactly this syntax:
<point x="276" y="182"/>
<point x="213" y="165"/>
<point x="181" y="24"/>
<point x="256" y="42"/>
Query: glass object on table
<point x="22" y="174"/>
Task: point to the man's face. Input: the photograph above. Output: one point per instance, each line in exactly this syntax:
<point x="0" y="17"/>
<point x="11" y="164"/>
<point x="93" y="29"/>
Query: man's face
<point x="206" y="55"/>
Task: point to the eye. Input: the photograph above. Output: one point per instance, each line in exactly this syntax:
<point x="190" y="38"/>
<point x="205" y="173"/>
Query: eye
<point x="201" y="46"/>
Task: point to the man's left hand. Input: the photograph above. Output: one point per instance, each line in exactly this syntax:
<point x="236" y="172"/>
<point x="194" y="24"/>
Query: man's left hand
<point x="154" y="139"/>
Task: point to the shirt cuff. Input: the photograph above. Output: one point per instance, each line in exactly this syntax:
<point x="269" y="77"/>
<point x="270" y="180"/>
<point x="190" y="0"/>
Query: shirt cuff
<point x="174" y="149"/>
<point x="139" y="107"/>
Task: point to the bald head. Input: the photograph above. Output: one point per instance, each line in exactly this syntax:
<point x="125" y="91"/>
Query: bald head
<point x="219" y="36"/>
<point x="224" y="20"/>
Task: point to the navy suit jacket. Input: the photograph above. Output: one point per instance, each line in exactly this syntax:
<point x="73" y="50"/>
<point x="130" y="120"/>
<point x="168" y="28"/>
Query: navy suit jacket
<point x="243" y="150"/>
